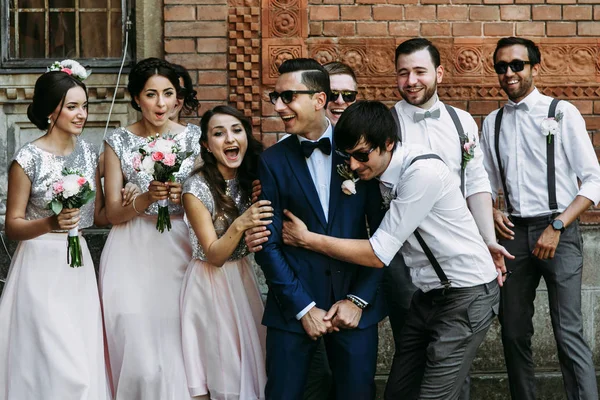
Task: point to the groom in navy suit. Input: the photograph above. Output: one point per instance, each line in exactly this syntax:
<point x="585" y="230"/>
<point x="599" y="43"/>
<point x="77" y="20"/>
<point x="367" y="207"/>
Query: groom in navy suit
<point x="313" y="297"/>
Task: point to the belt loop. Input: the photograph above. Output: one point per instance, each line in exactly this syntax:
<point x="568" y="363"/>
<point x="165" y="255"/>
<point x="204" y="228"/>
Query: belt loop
<point x="487" y="288"/>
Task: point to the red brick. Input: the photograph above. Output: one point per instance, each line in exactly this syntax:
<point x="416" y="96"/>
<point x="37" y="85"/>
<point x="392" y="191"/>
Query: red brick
<point x="212" y="45"/>
<point x="212" y="78"/>
<point x="274" y="124"/>
<point x="589" y="1"/>
<point x="180" y="46"/>
<point x="588" y="29"/>
<point x="371" y="1"/>
<point x="195" y="29"/>
<point x="546" y="12"/>
<point x="180" y="13"/>
<point x="324" y="13"/>
<point x="452" y="13"/>
<point x="529" y="1"/>
<point x="315" y="28"/>
<point x="209" y="105"/>
<point x="388" y="13"/>
<point x="561" y="28"/>
<point x="200" y="61"/>
<point x="515" y="13"/>
<point x="420" y="13"/>
<point x="339" y="29"/>
<point x="484" y="13"/>
<point x="577" y="12"/>
<point x="404" y="29"/>
<point x="461" y="29"/>
<point x="212" y="93"/>
<point x="212" y="13"/>
<point x="596" y="12"/>
<point x="355" y="13"/>
<point x="531" y="28"/>
<point x="482" y="107"/>
<point x="584" y="106"/>
<point x="467" y="2"/>
<point x="338" y="1"/>
<point x="435" y="29"/>
<point x="371" y="29"/>
<point x="498" y="29"/>
<point x="434" y="1"/>
<point x="497" y="1"/>
<point x="562" y="1"/>
<point x="269" y="139"/>
<point x="403" y="1"/>
<point x="592" y="122"/>
<point x="596" y="107"/>
<point x="311" y="2"/>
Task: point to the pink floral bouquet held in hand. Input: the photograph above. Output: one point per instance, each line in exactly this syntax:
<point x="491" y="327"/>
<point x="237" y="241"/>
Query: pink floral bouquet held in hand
<point x="160" y="157"/>
<point x="73" y="190"/>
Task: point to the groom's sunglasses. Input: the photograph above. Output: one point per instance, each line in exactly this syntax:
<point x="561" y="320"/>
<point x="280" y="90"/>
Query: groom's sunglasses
<point x="349" y="96"/>
<point x="516" y="66"/>
<point x="288" y="95"/>
<point x="360" y="156"/>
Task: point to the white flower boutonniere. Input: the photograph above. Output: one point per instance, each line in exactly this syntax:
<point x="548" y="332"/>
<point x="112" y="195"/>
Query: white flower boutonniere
<point x="468" y="146"/>
<point x="349" y="184"/>
<point x="550" y="126"/>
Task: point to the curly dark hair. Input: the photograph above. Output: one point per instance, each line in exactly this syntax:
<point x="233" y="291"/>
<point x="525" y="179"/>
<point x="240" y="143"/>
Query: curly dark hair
<point x="188" y="94"/>
<point x="144" y="70"/>
<point x="50" y="91"/>
<point x="247" y="171"/>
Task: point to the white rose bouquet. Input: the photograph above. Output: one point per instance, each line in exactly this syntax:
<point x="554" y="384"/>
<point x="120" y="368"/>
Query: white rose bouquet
<point x="160" y="157"/>
<point x="73" y="190"/>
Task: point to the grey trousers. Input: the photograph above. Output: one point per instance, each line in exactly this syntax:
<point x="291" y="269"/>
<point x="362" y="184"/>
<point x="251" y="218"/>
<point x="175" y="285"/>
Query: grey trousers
<point x="562" y="275"/>
<point x="439" y="341"/>
<point x="398" y="290"/>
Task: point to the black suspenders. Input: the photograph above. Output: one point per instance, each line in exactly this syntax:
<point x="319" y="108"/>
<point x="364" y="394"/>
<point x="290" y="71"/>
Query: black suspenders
<point x="432" y="260"/>
<point x="551" y="169"/>
<point x="461" y="136"/>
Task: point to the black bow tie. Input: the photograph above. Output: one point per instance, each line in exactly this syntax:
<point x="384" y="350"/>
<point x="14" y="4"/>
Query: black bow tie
<point x="308" y="147"/>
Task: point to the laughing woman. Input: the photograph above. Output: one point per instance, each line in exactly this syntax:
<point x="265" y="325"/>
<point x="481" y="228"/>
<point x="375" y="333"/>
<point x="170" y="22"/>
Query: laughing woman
<point x="51" y="345"/>
<point x="223" y="338"/>
<point x="141" y="269"/>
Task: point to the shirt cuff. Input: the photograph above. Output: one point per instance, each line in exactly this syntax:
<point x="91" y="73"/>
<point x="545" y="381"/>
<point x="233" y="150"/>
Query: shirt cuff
<point x="384" y="245"/>
<point x="305" y="310"/>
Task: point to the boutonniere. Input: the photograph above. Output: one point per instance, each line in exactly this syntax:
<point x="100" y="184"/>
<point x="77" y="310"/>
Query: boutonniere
<point x="468" y="146"/>
<point x="349" y="184"/>
<point x="550" y="126"/>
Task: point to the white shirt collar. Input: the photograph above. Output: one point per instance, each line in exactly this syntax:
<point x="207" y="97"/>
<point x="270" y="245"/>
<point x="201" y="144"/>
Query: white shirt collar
<point x="410" y="110"/>
<point x="528" y="102"/>
<point x="327" y="134"/>
<point x="390" y="176"/>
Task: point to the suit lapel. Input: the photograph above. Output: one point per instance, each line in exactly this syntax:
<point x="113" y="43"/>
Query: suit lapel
<point x="300" y="170"/>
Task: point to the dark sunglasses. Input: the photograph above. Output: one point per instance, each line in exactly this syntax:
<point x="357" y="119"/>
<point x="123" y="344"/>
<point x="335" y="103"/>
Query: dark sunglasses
<point x="516" y="66"/>
<point x="360" y="156"/>
<point x="348" y="95"/>
<point x="288" y="95"/>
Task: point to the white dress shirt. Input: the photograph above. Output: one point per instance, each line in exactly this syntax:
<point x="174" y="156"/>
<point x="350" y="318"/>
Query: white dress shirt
<point x="523" y="155"/>
<point x="440" y="136"/>
<point x="319" y="166"/>
<point x="427" y="195"/>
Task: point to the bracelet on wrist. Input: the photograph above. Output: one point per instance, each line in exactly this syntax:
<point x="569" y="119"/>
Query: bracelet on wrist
<point x="133" y="203"/>
<point x="356" y="302"/>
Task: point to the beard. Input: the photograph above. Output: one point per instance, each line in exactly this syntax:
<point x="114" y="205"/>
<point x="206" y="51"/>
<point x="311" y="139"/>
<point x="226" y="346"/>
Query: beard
<point x="520" y="91"/>
<point x="427" y="94"/>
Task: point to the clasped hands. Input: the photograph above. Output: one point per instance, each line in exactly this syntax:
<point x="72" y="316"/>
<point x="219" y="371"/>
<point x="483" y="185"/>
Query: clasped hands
<point x="342" y="315"/>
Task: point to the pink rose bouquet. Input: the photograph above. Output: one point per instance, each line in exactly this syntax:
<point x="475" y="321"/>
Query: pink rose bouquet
<point x="72" y="190"/>
<point x="160" y="157"/>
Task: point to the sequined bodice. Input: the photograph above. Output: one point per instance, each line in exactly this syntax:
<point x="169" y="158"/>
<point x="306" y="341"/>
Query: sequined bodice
<point x="44" y="168"/>
<point x="197" y="186"/>
<point x="126" y="144"/>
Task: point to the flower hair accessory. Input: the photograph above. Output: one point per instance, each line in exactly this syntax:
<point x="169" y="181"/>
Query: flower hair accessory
<point x="349" y="184"/>
<point x="550" y="126"/>
<point x="72" y="68"/>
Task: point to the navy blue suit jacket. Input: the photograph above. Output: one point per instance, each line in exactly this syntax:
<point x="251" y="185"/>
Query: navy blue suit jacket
<point x="297" y="276"/>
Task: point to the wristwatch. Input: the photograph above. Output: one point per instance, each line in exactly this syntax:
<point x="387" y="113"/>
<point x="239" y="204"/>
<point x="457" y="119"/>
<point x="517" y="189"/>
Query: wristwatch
<point x="558" y="225"/>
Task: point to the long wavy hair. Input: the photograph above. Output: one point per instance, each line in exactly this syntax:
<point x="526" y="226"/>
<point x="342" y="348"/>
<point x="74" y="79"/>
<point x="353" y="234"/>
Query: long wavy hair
<point x="246" y="173"/>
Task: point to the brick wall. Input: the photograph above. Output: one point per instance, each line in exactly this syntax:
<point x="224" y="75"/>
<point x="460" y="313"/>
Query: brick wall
<point x="233" y="48"/>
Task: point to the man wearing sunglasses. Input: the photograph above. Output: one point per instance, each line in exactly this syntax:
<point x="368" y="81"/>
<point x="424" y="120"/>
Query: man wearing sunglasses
<point x="343" y="89"/>
<point x="423" y="119"/>
<point x="299" y="174"/>
<point x="536" y="150"/>
<point x="428" y="220"/>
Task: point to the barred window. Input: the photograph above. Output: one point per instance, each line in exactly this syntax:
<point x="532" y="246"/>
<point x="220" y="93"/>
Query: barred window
<point x="91" y="31"/>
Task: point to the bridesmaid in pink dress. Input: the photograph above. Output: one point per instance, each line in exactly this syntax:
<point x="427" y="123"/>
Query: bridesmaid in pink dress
<point x="141" y="269"/>
<point x="223" y="339"/>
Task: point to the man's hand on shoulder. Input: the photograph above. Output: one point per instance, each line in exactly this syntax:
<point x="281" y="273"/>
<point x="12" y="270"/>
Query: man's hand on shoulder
<point x="344" y="314"/>
<point x="314" y="323"/>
